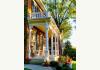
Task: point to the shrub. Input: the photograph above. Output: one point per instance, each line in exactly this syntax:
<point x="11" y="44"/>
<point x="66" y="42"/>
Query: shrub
<point x="26" y="61"/>
<point x="53" y="63"/>
<point x="58" y="67"/>
<point x="27" y="69"/>
<point x="45" y="63"/>
<point x="65" y="67"/>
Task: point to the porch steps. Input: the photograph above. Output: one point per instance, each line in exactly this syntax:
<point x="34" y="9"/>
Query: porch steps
<point x="37" y="60"/>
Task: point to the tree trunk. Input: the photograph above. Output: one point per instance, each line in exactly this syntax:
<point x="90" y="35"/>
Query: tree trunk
<point x="26" y="27"/>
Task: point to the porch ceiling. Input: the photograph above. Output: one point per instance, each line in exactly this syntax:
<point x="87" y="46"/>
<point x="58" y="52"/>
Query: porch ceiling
<point x="42" y="28"/>
<point x="40" y="24"/>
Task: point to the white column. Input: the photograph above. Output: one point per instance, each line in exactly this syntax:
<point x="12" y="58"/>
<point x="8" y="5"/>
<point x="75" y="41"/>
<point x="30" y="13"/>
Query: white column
<point x="29" y="50"/>
<point x="47" y="43"/>
<point x="52" y="51"/>
<point x="55" y="45"/>
<point x="58" y="45"/>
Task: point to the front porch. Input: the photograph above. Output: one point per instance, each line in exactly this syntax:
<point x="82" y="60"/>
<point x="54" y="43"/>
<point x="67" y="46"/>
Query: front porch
<point x="44" y="39"/>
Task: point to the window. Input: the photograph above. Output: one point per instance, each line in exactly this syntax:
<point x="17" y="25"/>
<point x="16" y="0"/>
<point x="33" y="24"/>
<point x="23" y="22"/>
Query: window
<point x="34" y="8"/>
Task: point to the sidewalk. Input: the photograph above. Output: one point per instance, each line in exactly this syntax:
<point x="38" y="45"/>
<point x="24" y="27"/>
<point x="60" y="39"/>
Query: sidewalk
<point x="36" y="67"/>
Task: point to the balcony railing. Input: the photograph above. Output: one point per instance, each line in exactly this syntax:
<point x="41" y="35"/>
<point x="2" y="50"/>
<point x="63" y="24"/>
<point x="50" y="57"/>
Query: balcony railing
<point x="37" y="15"/>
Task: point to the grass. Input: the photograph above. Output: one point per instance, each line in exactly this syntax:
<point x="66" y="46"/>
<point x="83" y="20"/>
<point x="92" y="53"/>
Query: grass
<point x="26" y="69"/>
<point x="74" y="65"/>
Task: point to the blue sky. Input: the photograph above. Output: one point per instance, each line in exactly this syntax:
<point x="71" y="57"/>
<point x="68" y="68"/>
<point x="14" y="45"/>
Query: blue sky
<point x="73" y="37"/>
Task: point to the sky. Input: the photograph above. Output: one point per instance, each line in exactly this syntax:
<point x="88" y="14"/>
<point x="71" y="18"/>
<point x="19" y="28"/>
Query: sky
<point x="73" y="38"/>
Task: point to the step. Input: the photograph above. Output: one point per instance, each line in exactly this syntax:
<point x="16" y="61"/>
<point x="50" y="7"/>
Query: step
<point x="37" y="60"/>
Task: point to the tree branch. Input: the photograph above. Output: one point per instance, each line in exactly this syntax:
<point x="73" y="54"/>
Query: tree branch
<point x="66" y="11"/>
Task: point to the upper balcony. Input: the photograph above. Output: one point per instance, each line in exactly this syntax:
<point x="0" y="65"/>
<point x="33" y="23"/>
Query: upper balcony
<point x="39" y="15"/>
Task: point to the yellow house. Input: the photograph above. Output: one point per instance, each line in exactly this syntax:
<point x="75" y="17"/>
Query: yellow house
<point x="44" y="35"/>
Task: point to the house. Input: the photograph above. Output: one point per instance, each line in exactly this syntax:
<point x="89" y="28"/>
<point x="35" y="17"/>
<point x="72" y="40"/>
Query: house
<point x="43" y="41"/>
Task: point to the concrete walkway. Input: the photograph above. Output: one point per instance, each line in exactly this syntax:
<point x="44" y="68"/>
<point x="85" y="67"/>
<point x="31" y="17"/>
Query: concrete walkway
<point x="36" y="67"/>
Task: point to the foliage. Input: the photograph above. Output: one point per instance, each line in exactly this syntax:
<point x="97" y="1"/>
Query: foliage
<point x="72" y="53"/>
<point x="68" y="50"/>
<point x="65" y="67"/>
<point x="27" y="69"/>
<point x="53" y="63"/>
<point x="63" y="59"/>
<point x="62" y="11"/>
<point x="74" y="66"/>
<point x="66" y="28"/>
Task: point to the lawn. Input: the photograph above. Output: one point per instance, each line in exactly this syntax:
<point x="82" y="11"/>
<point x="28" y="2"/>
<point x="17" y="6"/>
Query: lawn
<point x="74" y="65"/>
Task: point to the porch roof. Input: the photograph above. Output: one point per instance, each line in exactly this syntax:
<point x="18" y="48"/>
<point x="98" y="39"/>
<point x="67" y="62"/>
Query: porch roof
<point x="40" y="23"/>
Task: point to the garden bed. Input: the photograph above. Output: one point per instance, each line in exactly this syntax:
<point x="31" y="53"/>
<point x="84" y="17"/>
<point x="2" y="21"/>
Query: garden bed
<point x="27" y="69"/>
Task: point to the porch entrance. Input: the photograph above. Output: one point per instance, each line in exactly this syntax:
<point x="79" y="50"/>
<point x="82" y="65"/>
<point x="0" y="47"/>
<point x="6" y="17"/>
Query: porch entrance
<point x="37" y="42"/>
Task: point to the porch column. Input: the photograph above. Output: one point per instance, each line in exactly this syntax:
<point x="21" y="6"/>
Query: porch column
<point x="55" y="46"/>
<point x="52" y="50"/>
<point x="47" y="43"/>
<point x="29" y="48"/>
<point x="58" y="45"/>
<point x="42" y="44"/>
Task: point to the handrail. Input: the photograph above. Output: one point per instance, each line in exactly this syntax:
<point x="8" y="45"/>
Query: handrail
<point x="36" y="15"/>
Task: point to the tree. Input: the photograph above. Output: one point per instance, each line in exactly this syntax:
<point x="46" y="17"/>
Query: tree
<point x="67" y="48"/>
<point x="66" y="28"/>
<point x="72" y="53"/>
<point x="69" y="51"/>
<point x="62" y="11"/>
<point x="25" y="28"/>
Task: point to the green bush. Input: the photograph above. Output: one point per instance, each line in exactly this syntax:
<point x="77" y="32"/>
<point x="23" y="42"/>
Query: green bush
<point x="65" y="67"/>
<point x="58" y="67"/>
<point x="53" y="63"/>
<point x="27" y="69"/>
<point x="63" y="59"/>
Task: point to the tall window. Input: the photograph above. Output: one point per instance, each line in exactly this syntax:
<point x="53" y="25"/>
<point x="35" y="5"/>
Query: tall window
<point x="34" y="8"/>
<point x="54" y="44"/>
<point x="50" y="46"/>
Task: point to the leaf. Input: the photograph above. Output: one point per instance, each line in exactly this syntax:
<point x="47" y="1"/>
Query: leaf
<point x="62" y="11"/>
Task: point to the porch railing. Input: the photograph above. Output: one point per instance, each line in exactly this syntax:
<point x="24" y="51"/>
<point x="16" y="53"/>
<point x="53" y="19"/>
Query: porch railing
<point x="37" y="15"/>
